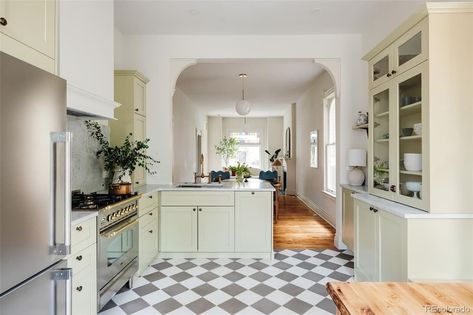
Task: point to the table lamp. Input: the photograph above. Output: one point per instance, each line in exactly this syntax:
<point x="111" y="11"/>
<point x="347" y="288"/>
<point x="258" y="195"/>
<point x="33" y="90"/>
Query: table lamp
<point x="357" y="160"/>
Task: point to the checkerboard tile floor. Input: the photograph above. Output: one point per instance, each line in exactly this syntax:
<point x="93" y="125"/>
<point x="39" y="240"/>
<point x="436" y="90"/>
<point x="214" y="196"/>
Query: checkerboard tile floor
<point x="292" y="283"/>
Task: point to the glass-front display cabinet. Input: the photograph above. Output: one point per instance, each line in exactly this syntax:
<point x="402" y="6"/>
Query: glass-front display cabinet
<point x="397" y="159"/>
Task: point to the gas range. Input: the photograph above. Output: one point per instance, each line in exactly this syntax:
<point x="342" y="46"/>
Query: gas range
<point x="112" y="209"/>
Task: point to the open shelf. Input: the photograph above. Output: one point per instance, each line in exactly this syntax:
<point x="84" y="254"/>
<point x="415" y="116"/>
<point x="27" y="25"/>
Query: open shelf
<point x="382" y="114"/>
<point x="411" y="108"/>
<point x="419" y="173"/>
<point x="416" y="137"/>
<point x="382" y="140"/>
<point x="364" y="126"/>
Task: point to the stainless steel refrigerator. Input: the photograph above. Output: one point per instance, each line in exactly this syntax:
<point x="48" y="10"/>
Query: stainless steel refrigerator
<point x="34" y="191"/>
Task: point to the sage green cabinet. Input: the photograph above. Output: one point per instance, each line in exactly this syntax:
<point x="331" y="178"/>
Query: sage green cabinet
<point x="216" y="229"/>
<point x="148" y="230"/>
<point x="348" y="218"/>
<point x="253" y="222"/>
<point x="178" y="229"/>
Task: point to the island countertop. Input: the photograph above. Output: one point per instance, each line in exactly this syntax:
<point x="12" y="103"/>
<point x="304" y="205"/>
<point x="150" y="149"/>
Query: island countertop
<point x="227" y="185"/>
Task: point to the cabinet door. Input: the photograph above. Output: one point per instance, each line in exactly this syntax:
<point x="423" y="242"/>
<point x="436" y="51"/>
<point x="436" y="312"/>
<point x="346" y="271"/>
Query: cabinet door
<point x="380" y="68"/>
<point x="148" y="243"/>
<point x="178" y="229"/>
<point x="380" y="175"/>
<point x="139" y="133"/>
<point x="216" y="229"/>
<point x="411" y="155"/>
<point x="411" y="48"/>
<point x="348" y="205"/>
<point x="139" y="96"/>
<point x="84" y="292"/>
<point x="32" y="23"/>
<point x="392" y="247"/>
<point x="366" y="243"/>
<point x="253" y="222"/>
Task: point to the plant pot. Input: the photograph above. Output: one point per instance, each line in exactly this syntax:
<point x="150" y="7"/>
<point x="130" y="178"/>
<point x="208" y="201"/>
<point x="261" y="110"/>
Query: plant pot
<point x="120" y="188"/>
<point x="233" y="173"/>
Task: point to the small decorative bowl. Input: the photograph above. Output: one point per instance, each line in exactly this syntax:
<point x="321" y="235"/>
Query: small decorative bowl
<point x="406" y="132"/>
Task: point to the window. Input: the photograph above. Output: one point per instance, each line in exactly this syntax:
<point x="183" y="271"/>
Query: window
<point x="249" y="148"/>
<point x="330" y="144"/>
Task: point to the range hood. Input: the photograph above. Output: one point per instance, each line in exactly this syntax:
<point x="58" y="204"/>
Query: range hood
<point x="81" y="103"/>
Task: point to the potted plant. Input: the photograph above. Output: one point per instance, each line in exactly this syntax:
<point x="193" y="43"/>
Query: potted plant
<point x="232" y="169"/>
<point x="227" y="148"/>
<point x="120" y="161"/>
<point x="241" y="171"/>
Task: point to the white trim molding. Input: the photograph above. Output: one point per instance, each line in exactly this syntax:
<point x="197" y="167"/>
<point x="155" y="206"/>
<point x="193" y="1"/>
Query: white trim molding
<point x="315" y="208"/>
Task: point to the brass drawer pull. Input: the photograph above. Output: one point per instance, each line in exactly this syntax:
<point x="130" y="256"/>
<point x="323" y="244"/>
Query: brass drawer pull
<point x="79" y="258"/>
<point x="79" y="228"/>
<point x="79" y="288"/>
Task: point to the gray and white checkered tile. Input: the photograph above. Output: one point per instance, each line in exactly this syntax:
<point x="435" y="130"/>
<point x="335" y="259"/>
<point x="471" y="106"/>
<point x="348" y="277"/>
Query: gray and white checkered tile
<point x="292" y="283"/>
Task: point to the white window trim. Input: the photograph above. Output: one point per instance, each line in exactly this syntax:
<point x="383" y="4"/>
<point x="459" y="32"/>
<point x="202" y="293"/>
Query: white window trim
<point x="260" y="144"/>
<point x="328" y="94"/>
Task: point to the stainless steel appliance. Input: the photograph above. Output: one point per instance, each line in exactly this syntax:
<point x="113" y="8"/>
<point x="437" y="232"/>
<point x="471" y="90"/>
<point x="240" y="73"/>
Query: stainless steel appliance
<point x="117" y="243"/>
<point x="34" y="191"/>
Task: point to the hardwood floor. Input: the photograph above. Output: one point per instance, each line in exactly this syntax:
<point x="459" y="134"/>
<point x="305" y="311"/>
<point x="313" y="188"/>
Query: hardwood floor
<point x="299" y="227"/>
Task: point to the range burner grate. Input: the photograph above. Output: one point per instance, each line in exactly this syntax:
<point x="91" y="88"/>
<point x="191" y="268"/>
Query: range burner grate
<point x="95" y="201"/>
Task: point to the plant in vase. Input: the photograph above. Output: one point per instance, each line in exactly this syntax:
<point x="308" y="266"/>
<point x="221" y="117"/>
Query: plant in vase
<point x="380" y="173"/>
<point x="241" y="171"/>
<point x="120" y="161"/>
<point x="232" y="170"/>
<point x="227" y="149"/>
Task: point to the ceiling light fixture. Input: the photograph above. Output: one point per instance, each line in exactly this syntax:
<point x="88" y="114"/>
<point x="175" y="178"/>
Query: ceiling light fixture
<point x="243" y="107"/>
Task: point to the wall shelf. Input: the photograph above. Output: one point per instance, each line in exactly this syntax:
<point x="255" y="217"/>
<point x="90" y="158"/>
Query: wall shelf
<point x="419" y="173"/>
<point x="364" y="126"/>
<point x="383" y="114"/>
<point x="382" y="140"/>
<point x="416" y="137"/>
<point x="411" y="108"/>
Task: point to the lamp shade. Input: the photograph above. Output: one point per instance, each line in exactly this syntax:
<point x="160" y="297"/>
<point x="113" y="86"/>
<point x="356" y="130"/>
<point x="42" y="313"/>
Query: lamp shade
<point x="356" y="157"/>
<point x="243" y="107"/>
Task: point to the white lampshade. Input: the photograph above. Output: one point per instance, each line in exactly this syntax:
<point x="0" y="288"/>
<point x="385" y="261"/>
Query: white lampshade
<point x="356" y="157"/>
<point x="243" y="107"/>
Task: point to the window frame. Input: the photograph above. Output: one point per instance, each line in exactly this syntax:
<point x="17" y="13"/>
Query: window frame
<point x="257" y="145"/>
<point x="330" y="140"/>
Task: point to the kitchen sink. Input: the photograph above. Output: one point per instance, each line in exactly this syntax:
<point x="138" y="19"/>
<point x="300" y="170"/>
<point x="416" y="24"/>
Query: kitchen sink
<point x="200" y="185"/>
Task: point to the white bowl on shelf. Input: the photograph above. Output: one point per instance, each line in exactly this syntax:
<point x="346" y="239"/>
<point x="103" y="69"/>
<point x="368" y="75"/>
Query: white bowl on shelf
<point x="417" y="129"/>
<point x="415" y="187"/>
<point x="413" y="162"/>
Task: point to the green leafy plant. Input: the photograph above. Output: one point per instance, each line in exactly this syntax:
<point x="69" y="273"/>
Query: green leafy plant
<point x="227" y="148"/>
<point x="241" y="171"/>
<point x="380" y="174"/>
<point x="123" y="159"/>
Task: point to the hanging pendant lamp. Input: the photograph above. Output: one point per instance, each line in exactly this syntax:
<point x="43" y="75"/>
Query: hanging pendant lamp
<point x="243" y="107"/>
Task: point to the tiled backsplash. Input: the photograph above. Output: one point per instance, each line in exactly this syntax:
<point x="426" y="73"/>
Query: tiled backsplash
<point x="86" y="169"/>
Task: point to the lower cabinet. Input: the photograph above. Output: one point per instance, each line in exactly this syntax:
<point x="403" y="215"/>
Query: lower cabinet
<point x="148" y="231"/>
<point x="348" y="219"/>
<point x="253" y="222"/>
<point x="381" y="245"/>
<point x="83" y="261"/>
<point x="197" y="229"/>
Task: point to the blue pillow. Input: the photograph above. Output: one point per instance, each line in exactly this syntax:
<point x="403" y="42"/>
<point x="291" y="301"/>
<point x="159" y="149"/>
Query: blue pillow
<point x="271" y="176"/>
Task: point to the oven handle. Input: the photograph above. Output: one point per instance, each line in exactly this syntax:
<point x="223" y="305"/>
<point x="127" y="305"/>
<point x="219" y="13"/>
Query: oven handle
<point x="119" y="230"/>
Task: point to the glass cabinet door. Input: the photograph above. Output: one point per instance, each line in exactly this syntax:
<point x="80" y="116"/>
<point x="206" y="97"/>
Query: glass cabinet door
<point x="410" y="105"/>
<point x="380" y="108"/>
<point x="411" y="48"/>
<point x="380" y="68"/>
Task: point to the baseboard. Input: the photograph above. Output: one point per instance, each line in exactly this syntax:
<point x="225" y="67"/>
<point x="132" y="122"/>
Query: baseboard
<point x="315" y="208"/>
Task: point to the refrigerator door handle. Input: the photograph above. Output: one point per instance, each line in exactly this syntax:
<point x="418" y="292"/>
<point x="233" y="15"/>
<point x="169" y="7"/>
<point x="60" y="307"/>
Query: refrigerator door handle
<point x="63" y="274"/>
<point x="61" y="192"/>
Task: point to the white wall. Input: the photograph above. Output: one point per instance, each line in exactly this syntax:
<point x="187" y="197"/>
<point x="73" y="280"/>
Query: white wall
<point x="86" y="49"/>
<point x="187" y="121"/>
<point x="270" y="130"/>
<point x="309" y="117"/>
<point x="154" y="54"/>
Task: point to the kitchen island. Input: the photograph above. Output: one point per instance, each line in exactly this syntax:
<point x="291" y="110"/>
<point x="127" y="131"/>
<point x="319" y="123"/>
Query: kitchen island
<point x="233" y="220"/>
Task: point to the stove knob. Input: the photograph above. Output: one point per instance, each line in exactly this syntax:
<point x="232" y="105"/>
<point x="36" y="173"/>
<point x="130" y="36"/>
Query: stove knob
<point x="122" y="212"/>
<point x="109" y="217"/>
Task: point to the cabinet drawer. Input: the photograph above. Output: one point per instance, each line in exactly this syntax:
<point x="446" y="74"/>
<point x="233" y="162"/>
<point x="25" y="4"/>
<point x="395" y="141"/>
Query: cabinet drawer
<point x="200" y="198"/>
<point x="84" y="292"/>
<point x="148" y="247"/>
<point x="148" y="202"/>
<point x="82" y="260"/>
<point x="151" y="216"/>
<point x="83" y="235"/>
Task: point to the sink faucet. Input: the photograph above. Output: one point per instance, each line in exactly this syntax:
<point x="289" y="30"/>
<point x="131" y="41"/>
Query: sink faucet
<point x="201" y="175"/>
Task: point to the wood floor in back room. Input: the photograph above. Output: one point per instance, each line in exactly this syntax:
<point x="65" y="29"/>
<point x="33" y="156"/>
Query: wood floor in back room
<point x="298" y="227"/>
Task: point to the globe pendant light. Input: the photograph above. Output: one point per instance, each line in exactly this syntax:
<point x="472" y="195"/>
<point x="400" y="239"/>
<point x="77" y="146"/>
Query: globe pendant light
<point x="243" y="107"/>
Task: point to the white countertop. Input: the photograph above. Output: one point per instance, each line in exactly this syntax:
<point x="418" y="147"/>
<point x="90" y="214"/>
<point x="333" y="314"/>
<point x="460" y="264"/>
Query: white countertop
<point x="77" y="217"/>
<point x="404" y="211"/>
<point x="228" y="185"/>
<point x="358" y="189"/>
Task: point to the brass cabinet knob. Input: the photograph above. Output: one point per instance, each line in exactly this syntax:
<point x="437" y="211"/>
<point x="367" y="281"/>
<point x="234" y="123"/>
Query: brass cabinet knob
<point x="79" y="228"/>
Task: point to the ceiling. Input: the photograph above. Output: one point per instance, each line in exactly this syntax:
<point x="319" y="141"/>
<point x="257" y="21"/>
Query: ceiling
<point x="271" y="86"/>
<point x="247" y="17"/>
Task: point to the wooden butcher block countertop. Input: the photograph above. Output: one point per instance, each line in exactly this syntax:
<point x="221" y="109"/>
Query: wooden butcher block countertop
<point x="401" y="298"/>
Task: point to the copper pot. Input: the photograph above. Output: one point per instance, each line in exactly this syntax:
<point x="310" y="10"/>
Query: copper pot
<point x="120" y="189"/>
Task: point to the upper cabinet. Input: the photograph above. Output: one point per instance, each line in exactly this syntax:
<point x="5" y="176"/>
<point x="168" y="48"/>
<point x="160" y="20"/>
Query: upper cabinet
<point x="28" y="31"/>
<point x="406" y="52"/>
<point x="420" y="139"/>
<point x="130" y="92"/>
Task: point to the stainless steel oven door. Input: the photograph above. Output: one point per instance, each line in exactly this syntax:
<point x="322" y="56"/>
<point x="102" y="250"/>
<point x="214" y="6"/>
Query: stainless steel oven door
<point x="118" y="246"/>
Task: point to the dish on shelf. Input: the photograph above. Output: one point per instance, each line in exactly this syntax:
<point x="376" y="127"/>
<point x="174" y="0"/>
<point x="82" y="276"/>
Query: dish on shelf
<point x="414" y="187"/>
<point x="413" y="162"/>
<point x="406" y="132"/>
<point x="418" y="129"/>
